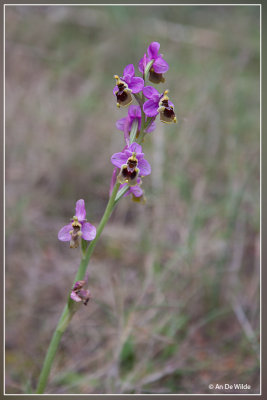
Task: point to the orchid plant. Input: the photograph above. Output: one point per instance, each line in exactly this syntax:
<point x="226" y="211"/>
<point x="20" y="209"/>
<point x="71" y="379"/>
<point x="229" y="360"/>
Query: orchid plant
<point x="130" y="167"/>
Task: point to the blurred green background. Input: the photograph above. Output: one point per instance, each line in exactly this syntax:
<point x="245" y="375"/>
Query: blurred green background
<point x="175" y="283"/>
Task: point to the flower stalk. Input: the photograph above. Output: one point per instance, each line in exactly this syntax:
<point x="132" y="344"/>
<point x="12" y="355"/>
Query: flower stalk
<point x="53" y="346"/>
<point x="130" y="167"/>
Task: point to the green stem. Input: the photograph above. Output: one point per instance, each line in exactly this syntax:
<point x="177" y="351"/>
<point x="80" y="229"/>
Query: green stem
<point x="70" y="307"/>
<point x="52" y="349"/>
<point x="85" y="260"/>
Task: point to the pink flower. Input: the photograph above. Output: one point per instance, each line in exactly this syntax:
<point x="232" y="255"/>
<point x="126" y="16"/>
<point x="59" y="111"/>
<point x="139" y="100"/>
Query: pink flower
<point x="132" y="163"/>
<point x="77" y="228"/>
<point x="158" y="104"/>
<point x="126" y="85"/>
<point x="159" y="66"/>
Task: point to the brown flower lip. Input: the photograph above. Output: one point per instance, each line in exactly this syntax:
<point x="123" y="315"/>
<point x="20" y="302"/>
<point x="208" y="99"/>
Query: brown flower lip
<point x="154" y="77"/>
<point x="123" y="94"/>
<point x="165" y="110"/>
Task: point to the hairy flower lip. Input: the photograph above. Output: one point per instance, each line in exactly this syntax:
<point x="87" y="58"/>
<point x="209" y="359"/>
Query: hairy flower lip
<point x="165" y="109"/>
<point x="155" y="77"/>
<point x="128" y="176"/>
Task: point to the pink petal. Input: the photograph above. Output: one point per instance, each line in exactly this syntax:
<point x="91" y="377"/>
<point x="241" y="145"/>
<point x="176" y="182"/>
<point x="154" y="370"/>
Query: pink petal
<point x="88" y="231"/>
<point x="128" y="152"/>
<point x="121" y="123"/>
<point x="64" y="233"/>
<point x="135" y="147"/>
<point x="150" y="91"/>
<point x="134" y="112"/>
<point x="142" y="64"/>
<point x="75" y="297"/>
<point x="129" y="70"/>
<point x="144" y="167"/>
<point x="136" y="191"/>
<point x="127" y="78"/>
<point x="136" y="84"/>
<point x="118" y="159"/>
<point x="80" y="210"/>
<point x="160" y="66"/>
<point x="153" y="50"/>
<point x="150" y="108"/>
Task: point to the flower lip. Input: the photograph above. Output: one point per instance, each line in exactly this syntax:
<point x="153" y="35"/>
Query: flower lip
<point x="155" y="77"/>
<point x="122" y="92"/>
<point x="132" y="162"/>
<point x="127" y="175"/>
<point x="165" y="109"/>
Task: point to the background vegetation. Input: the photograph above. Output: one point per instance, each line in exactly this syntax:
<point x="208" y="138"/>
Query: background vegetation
<point x="175" y="283"/>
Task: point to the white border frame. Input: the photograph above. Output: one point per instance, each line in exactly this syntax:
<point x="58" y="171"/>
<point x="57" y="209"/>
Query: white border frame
<point x="129" y="5"/>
